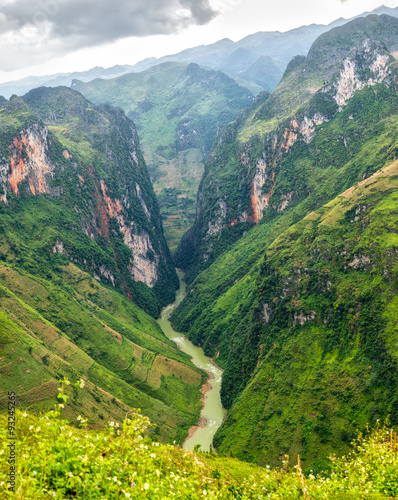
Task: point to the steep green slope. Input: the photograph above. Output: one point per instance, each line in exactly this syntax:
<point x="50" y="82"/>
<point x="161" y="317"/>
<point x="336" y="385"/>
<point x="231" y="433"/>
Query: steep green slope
<point x="177" y="108"/>
<point x="248" y="176"/>
<point x="336" y="137"/>
<point x="81" y="247"/>
<point x="72" y="326"/>
<point x="320" y="353"/>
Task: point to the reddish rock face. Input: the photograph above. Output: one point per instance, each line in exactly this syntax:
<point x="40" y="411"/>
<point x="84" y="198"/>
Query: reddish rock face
<point x="28" y="160"/>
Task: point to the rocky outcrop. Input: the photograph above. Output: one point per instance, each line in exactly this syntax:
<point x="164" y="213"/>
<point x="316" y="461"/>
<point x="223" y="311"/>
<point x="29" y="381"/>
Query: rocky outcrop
<point x="28" y="164"/>
<point x="59" y="247"/>
<point x="307" y="126"/>
<point x="145" y="260"/>
<point x="145" y="267"/>
<point x="143" y="204"/>
<point x="285" y="201"/>
<point x="267" y="312"/>
<point x="367" y="65"/>
<point x="216" y="226"/>
<point x="359" y="261"/>
<point x="259" y="199"/>
<point x="302" y="318"/>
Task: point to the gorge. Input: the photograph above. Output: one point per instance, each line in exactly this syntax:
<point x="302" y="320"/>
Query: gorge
<point x="236" y="360"/>
<point x="212" y="413"/>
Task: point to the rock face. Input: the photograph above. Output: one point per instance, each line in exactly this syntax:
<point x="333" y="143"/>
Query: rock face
<point x="260" y="200"/>
<point x="27" y="163"/>
<point x="144" y="268"/>
<point x="245" y="171"/>
<point x="89" y="158"/>
<point x="367" y="65"/>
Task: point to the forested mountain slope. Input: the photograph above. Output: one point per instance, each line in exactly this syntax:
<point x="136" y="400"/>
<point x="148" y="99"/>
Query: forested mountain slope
<point x="81" y="250"/>
<point x="290" y="147"/>
<point x="296" y="300"/>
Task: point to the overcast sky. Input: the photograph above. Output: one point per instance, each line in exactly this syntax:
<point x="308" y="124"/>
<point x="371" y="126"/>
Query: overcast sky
<point x="49" y="36"/>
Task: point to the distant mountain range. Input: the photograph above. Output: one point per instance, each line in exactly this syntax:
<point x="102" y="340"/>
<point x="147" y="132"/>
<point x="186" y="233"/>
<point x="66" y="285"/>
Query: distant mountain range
<point x="260" y="58"/>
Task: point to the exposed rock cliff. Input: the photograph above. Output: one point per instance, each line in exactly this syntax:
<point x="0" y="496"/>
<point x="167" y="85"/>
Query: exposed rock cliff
<point x="89" y="157"/>
<point x="27" y="163"/>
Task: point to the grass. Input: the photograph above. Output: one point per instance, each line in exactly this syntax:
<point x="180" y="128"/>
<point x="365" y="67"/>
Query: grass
<point x="78" y="326"/>
<point x="57" y="460"/>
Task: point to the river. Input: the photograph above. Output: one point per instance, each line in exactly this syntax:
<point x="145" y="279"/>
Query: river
<point x="213" y="411"/>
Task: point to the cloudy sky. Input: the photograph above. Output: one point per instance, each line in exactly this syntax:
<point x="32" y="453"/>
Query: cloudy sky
<point x="49" y="36"/>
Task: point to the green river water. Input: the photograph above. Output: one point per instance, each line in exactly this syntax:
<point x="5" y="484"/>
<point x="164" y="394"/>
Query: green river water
<point x="213" y="411"/>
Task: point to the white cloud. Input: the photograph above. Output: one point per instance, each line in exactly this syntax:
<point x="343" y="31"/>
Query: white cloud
<point x="33" y="32"/>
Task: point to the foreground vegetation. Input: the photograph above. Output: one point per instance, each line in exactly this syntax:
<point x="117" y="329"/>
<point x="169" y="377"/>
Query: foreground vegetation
<point x="57" y="460"/>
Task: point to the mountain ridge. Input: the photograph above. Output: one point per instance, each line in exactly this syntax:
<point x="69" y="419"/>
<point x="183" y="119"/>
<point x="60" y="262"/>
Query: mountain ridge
<point x="22" y="86"/>
<point x="178" y="108"/>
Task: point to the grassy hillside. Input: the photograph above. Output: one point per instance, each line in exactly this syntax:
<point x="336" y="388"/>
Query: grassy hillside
<point x="60" y="461"/>
<point x="320" y="352"/>
<point x="177" y="108"/>
<point x="71" y="325"/>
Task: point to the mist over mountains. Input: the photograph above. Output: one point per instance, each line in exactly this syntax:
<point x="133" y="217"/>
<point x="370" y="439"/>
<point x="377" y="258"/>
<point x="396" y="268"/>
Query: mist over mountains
<point x="260" y="58"/>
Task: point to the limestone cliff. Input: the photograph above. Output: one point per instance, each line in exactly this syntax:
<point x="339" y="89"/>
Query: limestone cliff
<point x="88" y="158"/>
<point x="27" y="163"/>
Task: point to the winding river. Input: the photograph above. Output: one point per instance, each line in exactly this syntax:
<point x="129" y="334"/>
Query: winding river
<point x="213" y="412"/>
